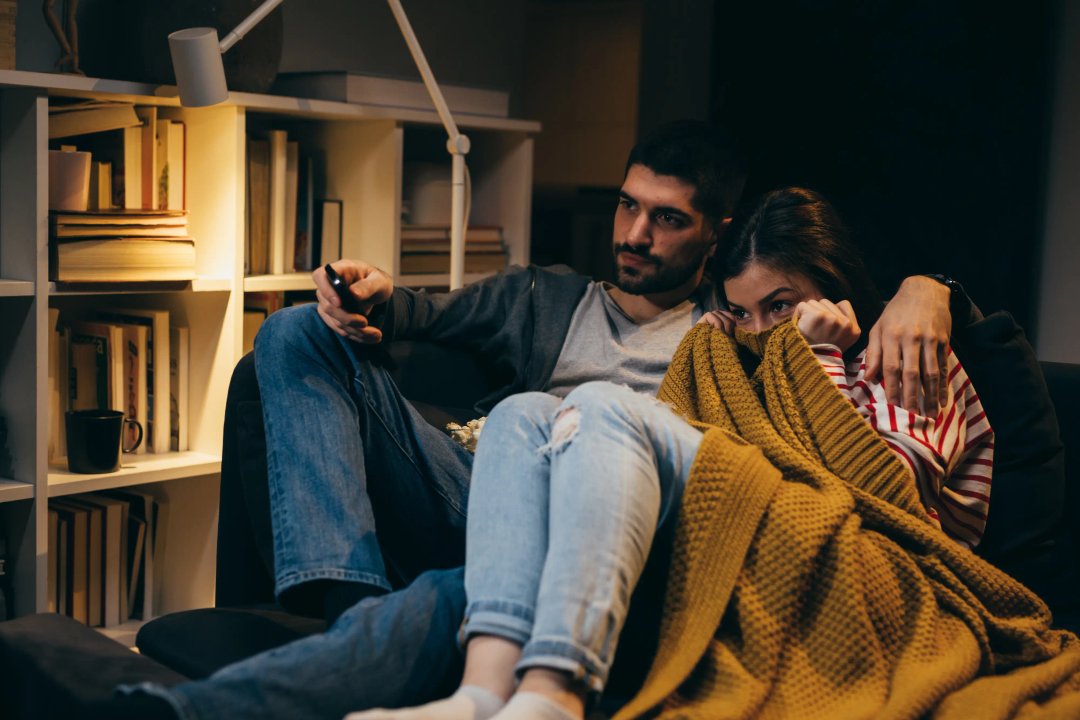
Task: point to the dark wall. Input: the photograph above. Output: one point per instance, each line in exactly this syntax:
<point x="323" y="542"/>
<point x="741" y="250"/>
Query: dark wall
<point x="924" y="121"/>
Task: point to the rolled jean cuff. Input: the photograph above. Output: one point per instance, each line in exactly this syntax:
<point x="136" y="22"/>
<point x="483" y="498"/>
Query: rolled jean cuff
<point x="178" y="704"/>
<point x="553" y="654"/>
<point x="507" y="620"/>
<point x="299" y="577"/>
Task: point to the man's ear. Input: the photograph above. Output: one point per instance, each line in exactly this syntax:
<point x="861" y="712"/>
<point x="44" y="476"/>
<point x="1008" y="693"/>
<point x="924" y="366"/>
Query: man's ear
<point x="718" y="234"/>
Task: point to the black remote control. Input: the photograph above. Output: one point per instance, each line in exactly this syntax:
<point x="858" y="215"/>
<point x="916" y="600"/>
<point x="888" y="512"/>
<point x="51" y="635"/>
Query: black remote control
<point x="349" y="302"/>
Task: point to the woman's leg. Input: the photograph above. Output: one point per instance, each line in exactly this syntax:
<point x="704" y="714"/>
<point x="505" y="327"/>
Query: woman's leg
<point x="619" y="462"/>
<point x="505" y="553"/>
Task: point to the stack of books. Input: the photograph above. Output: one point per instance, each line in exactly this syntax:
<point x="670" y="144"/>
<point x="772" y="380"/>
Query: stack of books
<point x="119" y="245"/>
<point x="426" y="249"/>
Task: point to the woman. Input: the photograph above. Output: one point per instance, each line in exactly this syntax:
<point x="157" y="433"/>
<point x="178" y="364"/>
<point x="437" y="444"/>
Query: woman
<point x="573" y="500"/>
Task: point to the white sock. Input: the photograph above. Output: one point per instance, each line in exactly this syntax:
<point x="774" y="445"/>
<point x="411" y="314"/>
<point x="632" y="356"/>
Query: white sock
<point x="468" y="703"/>
<point x="533" y="706"/>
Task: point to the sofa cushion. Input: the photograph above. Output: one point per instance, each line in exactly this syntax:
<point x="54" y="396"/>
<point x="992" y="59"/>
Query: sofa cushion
<point x="52" y="666"/>
<point x="222" y="636"/>
<point x="1027" y="532"/>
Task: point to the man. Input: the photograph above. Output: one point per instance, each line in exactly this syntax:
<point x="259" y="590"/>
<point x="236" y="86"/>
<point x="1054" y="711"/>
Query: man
<point x="347" y="456"/>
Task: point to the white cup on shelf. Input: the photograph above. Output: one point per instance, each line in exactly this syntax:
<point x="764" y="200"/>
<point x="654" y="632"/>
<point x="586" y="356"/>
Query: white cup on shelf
<point x="69" y="180"/>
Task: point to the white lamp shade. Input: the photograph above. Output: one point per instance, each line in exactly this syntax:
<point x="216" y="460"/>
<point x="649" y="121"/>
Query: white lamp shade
<point x="200" y="75"/>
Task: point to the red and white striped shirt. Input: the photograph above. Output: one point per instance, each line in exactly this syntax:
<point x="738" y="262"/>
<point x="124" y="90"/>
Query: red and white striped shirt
<point x="950" y="454"/>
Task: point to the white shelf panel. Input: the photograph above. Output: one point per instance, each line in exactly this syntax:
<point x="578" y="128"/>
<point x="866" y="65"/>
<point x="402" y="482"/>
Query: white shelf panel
<point x="77" y="85"/>
<point x="211" y="285"/>
<point x="276" y="283"/>
<point x="436" y="279"/>
<point x="332" y="110"/>
<point x="16" y="288"/>
<point x="134" y="470"/>
<point x="147" y="94"/>
<point x="11" y="490"/>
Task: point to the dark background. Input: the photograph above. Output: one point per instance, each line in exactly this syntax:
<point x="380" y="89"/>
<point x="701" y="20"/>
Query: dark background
<point x="924" y="121"/>
<point x="927" y="122"/>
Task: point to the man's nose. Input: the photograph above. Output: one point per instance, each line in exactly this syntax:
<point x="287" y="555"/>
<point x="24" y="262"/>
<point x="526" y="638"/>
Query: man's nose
<point x="638" y="233"/>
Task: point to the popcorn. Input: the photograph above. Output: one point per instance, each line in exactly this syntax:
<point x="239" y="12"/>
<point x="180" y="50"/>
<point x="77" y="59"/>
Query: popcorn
<point x="468" y="434"/>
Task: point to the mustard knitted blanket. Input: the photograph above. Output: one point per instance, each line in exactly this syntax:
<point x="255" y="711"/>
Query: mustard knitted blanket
<point x="807" y="580"/>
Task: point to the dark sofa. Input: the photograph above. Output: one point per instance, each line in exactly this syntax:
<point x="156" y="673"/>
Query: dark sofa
<point x="1030" y="534"/>
<point x="1032" y="530"/>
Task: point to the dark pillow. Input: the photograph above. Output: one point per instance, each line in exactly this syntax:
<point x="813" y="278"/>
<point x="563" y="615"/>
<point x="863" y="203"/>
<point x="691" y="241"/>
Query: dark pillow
<point x="1025" y="535"/>
<point x="52" y="666"/>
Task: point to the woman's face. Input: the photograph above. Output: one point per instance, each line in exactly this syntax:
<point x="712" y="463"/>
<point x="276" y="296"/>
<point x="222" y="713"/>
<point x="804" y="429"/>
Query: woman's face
<point x="760" y="297"/>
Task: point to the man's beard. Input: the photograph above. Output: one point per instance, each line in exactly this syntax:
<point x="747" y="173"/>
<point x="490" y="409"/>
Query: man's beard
<point x="663" y="278"/>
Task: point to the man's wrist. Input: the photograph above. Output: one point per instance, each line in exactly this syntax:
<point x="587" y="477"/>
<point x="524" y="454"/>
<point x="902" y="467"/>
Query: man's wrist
<point x="959" y="302"/>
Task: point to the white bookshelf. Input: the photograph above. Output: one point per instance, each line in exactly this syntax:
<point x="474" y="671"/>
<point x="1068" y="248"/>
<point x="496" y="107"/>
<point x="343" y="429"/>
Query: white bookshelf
<point x="364" y="149"/>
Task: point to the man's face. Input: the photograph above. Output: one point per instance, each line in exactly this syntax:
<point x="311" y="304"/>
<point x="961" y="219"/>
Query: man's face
<point x="661" y="242"/>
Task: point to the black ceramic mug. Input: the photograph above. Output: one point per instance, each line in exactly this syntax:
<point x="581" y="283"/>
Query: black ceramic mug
<point x="93" y="439"/>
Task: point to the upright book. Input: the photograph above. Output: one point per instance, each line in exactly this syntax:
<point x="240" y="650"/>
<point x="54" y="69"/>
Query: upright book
<point x="77" y="556"/>
<point x="158" y="431"/>
<point x="258" y="208"/>
<point x="113" y="549"/>
<point x="178" y="386"/>
<point x="109" y="341"/>
<point x="279" y="175"/>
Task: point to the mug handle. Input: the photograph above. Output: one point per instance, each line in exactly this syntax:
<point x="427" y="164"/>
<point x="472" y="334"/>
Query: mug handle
<point x="138" y="440"/>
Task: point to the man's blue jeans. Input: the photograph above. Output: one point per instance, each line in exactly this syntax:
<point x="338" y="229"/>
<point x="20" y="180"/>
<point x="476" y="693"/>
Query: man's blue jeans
<point x="362" y="488"/>
<point x="387" y="651"/>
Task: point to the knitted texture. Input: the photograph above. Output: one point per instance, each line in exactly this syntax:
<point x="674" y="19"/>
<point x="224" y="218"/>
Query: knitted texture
<point x="807" y="580"/>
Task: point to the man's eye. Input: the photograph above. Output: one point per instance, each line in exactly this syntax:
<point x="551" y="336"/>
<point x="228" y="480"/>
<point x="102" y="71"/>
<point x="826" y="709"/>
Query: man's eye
<point x="626" y="203"/>
<point x="669" y="220"/>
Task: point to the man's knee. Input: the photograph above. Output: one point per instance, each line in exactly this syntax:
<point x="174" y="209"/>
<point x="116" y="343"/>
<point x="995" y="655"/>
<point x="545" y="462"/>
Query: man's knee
<point x="286" y="325"/>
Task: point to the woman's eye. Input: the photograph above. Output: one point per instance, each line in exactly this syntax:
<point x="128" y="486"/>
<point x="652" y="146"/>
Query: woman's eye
<point x="739" y="314"/>
<point x="781" y="306"/>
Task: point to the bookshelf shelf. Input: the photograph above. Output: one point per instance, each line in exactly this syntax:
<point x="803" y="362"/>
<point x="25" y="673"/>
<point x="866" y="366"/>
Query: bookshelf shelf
<point x="16" y="288"/>
<point x="134" y="470"/>
<point x="12" y="490"/>
<point x="278" y="283"/>
<point x="363" y="152"/>
<point x="124" y="633"/>
<point x="211" y="284"/>
<point x="197" y="285"/>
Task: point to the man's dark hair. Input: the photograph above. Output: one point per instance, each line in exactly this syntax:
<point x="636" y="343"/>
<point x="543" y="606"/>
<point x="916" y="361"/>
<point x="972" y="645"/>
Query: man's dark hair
<point x="706" y="156"/>
<point x="796" y="230"/>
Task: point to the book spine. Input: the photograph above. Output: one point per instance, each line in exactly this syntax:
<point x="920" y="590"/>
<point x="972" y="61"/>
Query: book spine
<point x="278" y="173"/>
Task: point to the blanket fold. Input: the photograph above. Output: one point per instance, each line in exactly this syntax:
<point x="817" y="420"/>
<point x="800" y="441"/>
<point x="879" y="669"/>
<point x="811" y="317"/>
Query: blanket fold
<point x="807" y="580"/>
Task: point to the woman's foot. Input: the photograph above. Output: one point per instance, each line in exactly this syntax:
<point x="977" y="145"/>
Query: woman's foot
<point x="468" y="703"/>
<point x="534" y="706"/>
